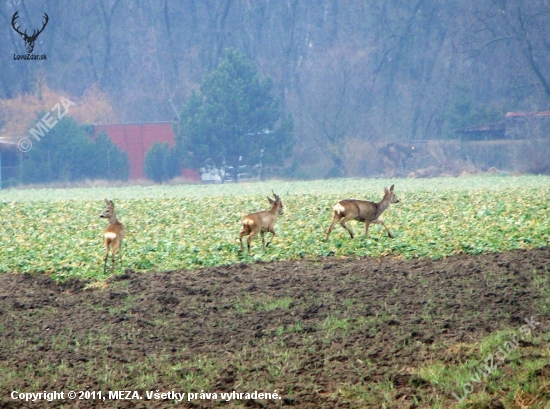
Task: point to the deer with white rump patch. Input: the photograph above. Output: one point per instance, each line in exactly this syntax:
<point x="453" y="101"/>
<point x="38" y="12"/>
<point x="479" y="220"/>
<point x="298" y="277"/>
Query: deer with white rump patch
<point x="262" y="222"/>
<point x="362" y="211"/>
<point x="113" y="234"/>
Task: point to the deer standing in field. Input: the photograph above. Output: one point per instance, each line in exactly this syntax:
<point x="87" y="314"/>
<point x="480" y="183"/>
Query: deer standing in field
<point x="113" y="234"/>
<point x="362" y="211"/>
<point x="262" y="222"/>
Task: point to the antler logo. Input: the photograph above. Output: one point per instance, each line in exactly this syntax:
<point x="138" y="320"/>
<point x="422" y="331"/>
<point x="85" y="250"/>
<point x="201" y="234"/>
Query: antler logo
<point x="29" y="40"/>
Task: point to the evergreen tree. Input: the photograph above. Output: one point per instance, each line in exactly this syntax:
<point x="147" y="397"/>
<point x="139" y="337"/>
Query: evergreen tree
<point x="161" y="163"/>
<point x="67" y="153"/>
<point x="110" y="162"/>
<point x="233" y="118"/>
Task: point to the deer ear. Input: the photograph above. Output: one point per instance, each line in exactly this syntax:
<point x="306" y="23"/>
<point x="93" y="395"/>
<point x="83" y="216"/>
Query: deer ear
<point x="107" y="201"/>
<point x="386" y="189"/>
<point x="391" y="188"/>
<point x="270" y="200"/>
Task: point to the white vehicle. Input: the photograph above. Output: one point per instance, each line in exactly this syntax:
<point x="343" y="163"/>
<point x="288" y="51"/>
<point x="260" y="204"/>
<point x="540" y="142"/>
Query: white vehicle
<point x="226" y="174"/>
<point x="210" y="174"/>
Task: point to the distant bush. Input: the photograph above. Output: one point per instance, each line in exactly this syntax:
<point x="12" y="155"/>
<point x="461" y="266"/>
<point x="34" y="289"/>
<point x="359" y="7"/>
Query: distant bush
<point x="67" y="153"/>
<point x="161" y="163"/>
<point x="110" y="162"/>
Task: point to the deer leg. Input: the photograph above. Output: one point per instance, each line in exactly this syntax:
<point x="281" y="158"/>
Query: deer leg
<point x="113" y="259"/>
<point x="386" y="227"/>
<point x="120" y="252"/>
<point x="343" y="224"/>
<point x="105" y="258"/>
<point x="244" y="232"/>
<point x="241" y="240"/>
<point x="271" y="238"/>
<point x="250" y="237"/>
<point x="262" y="233"/>
<point x="335" y="220"/>
<point x="367" y="224"/>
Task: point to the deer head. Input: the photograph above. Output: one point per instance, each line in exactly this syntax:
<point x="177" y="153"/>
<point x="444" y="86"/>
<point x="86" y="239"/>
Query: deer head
<point x="29" y="40"/>
<point x="389" y="193"/>
<point x="109" y="211"/>
<point x="277" y="201"/>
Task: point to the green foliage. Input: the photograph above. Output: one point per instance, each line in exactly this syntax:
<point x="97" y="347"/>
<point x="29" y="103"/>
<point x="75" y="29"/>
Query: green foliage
<point x="200" y="225"/>
<point x="466" y="110"/>
<point x="161" y="163"/>
<point x="234" y="115"/>
<point x="59" y="155"/>
<point x="110" y="162"/>
<point x="67" y="153"/>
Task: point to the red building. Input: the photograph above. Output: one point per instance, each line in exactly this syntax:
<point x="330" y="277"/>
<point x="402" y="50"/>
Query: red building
<point x="137" y="138"/>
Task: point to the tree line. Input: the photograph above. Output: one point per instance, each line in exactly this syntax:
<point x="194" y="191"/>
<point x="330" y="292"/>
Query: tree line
<point x="233" y="120"/>
<point x="349" y="73"/>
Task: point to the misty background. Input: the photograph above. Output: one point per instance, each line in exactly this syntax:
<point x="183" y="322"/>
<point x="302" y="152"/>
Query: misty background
<point x="375" y="87"/>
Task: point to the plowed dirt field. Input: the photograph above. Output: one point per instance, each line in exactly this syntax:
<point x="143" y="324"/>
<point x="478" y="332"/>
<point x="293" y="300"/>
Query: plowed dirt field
<point x="331" y="333"/>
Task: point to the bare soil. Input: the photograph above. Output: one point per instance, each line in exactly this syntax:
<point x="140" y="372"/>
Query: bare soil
<point x="308" y="329"/>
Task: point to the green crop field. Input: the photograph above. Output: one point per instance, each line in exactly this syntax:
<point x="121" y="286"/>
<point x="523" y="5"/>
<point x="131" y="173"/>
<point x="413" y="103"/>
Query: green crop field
<point x="59" y="232"/>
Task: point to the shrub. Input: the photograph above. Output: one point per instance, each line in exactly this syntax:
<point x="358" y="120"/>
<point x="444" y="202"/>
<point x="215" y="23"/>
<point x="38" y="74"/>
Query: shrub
<point x="161" y="163"/>
<point x="67" y="153"/>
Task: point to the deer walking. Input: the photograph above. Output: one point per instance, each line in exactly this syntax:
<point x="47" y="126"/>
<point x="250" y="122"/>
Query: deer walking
<point x="261" y="222"/>
<point x="114" y="233"/>
<point x="362" y="211"/>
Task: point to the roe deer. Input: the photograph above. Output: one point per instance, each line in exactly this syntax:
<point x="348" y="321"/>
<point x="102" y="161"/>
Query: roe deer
<point x="114" y="233"/>
<point x="362" y="211"/>
<point x="261" y="222"/>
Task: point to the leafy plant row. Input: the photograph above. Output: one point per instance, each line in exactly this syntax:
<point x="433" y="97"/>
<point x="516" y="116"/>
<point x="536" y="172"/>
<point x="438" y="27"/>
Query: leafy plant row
<point x="175" y="227"/>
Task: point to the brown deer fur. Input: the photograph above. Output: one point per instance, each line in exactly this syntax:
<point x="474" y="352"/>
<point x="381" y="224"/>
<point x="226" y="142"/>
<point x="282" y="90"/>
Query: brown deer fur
<point x="362" y="211"/>
<point x="261" y="222"/>
<point x="114" y="234"/>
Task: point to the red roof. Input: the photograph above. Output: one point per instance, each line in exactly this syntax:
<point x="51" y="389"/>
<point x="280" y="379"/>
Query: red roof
<point x="517" y="114"/>
<point x="136" y="139"/>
